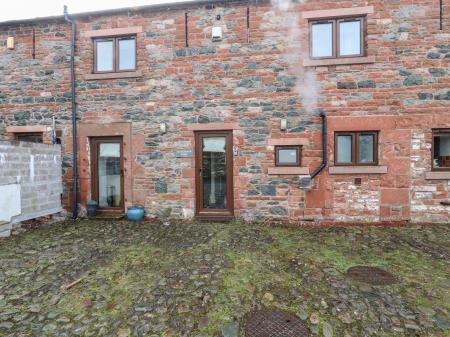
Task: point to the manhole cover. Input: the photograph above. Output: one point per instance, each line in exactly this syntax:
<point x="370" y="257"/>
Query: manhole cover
<point x="275" y="324"/>
<point x="371" y="275"/>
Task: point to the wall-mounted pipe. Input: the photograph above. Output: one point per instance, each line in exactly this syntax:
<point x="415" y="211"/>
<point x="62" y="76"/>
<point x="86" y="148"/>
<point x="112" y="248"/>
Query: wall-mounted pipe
<point x="74" y="115"/>
<point x="323" y="115"/>
<point x="33" y="54"/>
<point x="305" y="181"/>
<point x="186" y="33"/>
<point x="248" y="24"/>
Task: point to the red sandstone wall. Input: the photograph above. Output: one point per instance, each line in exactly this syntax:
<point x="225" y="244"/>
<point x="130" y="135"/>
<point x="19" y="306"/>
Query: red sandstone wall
<point x="403" y="94"/>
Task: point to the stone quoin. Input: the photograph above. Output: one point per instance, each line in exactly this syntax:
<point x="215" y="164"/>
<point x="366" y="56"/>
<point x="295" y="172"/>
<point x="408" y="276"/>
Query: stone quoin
<point x="170" y="116"/>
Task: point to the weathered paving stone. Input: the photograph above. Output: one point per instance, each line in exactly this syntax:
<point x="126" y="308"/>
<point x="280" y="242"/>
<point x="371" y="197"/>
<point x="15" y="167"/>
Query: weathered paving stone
<point x="327" y="330"/>
<point x="6" y="325"/>
<point x="231" y="329"/>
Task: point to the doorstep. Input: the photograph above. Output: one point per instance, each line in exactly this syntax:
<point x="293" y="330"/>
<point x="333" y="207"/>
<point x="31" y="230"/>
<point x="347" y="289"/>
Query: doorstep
<point x="214" y="218"/>
<point x="108" y="216"/>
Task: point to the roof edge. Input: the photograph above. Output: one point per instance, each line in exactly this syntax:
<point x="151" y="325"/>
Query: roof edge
<point x="159" y="6"/>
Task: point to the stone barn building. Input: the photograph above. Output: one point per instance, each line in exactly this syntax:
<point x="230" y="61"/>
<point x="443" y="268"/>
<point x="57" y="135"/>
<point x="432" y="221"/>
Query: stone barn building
<point x="326" y="111"/>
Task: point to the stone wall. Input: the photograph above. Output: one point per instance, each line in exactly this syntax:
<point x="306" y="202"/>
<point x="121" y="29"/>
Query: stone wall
<point x="36" y="168"/>
<point x="249" y="80"/>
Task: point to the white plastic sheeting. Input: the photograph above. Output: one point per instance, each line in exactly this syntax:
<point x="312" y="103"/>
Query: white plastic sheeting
<point x="9" y="201"/>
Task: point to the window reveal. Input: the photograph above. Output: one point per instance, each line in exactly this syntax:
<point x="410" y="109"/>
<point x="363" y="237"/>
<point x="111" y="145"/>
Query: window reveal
<point x="337" y="38"/>
<point x="114" y="54"/>
<point x="441" y="150"/>
<point x="356" y="148"/>
<point x="287" y="155"/>
<point x="34" y="137"/>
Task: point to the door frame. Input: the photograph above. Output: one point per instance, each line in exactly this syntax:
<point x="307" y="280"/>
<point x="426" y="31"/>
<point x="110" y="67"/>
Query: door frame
<point x="94" y="143"/>
<point x="211" y="212"/>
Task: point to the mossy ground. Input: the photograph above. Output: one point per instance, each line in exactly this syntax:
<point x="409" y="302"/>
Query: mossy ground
<point x="190" y="279"/>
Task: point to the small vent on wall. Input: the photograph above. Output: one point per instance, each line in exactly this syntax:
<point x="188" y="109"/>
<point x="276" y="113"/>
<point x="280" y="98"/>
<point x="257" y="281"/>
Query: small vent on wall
<point x="305" y="182"/>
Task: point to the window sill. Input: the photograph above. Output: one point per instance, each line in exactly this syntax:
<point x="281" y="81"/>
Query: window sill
<point x="288" y="170"/>
<point x="107" y="76"/>
<point x="357" y="170"/>
<point x="437" y="175"/>
<point x="339" y="61"/>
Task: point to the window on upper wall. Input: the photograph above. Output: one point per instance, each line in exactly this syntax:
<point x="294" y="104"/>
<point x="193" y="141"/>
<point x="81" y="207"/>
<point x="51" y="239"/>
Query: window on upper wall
<point x="115" y="54"/>
<point x="337" y="38"/>
<point x="287" y="155"/>
<point x="356" y="148"/>
<point x="441" y="149"/>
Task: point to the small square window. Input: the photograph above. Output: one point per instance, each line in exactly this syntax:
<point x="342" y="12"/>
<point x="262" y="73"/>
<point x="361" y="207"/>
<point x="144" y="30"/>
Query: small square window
<point x="441" y="150"/>
<point x="287" y="155"/>
<point x="337" y="38"/>
<point x="114" y="54"/>
<point x="356" y="148"/>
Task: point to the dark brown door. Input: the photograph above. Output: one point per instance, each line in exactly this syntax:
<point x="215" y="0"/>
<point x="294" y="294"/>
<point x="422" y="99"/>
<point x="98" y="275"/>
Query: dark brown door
<point x="214" y="174"/>
<point x="107" y="172"/>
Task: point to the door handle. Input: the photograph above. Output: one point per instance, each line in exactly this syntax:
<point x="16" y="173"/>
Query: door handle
<point x="200" y="171"/>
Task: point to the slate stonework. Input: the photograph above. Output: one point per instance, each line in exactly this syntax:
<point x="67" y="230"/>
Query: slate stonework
<point x="403" y="95"/>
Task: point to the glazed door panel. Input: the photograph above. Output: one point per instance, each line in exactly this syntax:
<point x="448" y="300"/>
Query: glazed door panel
<point x="107" y="172"/>
<point x="214" y="173"/>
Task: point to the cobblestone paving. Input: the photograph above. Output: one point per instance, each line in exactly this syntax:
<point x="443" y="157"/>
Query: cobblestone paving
<point x="204" y="279"/>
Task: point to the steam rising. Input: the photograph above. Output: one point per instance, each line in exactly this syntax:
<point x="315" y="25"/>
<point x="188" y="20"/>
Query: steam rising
<point x="306" y="85"/>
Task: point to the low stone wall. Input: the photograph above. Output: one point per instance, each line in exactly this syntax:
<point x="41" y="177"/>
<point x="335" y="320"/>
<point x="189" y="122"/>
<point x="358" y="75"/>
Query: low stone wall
<point x="35" y="169"/>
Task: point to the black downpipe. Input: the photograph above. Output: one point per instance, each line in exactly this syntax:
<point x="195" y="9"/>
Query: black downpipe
<point x="74" y="116"/>
<point x="186" y="33"/>
<point x="324" y="146"/>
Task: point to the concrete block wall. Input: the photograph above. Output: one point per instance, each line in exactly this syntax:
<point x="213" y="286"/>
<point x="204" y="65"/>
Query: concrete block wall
<point x="37" y="169"/>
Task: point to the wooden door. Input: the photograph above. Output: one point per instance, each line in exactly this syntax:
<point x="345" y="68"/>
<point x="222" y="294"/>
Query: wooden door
<point x="107" y="172"/>
<point x="214" y="174"/>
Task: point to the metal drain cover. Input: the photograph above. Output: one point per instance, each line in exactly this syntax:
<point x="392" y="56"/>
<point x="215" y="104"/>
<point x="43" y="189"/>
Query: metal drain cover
<point x="371" y="275"/>
<point x="275" y="324"/>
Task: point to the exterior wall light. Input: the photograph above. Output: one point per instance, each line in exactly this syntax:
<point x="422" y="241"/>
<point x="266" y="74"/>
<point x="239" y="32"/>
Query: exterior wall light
<point x="163" y="128"/>
<point x="217" y="33"/>
<point x="10" y="42"/>
<point x="283" y="124"/>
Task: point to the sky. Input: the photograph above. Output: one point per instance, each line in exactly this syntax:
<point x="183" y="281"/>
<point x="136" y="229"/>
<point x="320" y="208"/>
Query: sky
<point x="28" y="9"/>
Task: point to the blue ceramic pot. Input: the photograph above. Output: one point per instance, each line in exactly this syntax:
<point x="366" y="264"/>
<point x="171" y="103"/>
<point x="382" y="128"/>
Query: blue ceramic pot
<point x="135" y="213"/>
<point x="91" y="208"/>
